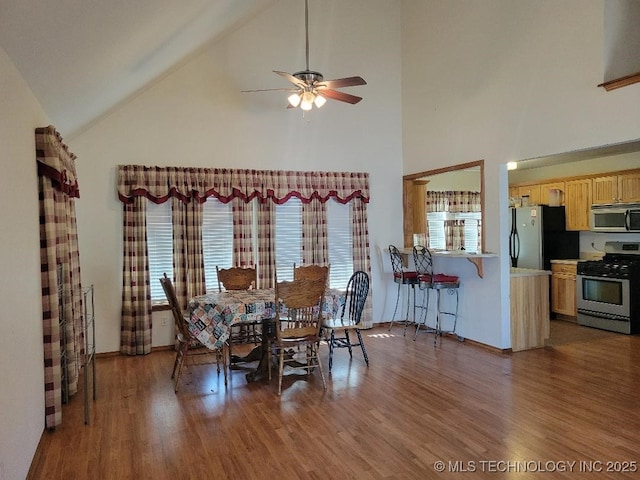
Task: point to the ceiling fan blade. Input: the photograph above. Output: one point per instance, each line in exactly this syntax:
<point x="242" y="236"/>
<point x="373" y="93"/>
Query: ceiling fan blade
<point x="343" y="82"/>
<point x="341" y="96"/>
<point x="291" y="78"/>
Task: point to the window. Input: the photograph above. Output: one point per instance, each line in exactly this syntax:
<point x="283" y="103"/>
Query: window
<point x="217" y="239"/>
<point x="159" y="247"/>
<point x="217" y="242"/>
<point x="288" y="238"/>
<point x="340" y="243"/>
<point x="436" y="221"/>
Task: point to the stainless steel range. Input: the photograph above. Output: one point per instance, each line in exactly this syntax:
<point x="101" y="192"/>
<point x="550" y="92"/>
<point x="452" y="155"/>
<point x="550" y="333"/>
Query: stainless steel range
<point x="604" y="289"/>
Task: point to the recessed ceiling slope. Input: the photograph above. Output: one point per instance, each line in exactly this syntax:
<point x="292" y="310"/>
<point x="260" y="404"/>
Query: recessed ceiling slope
<point x="82" y="57"/>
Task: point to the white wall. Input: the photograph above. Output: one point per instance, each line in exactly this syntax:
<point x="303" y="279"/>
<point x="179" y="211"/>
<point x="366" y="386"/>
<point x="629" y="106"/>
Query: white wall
<point x="504" y="80"/>
<point x="463" y="180"/>
<point x="197" y="116"/>
<point x="21" y="352"/>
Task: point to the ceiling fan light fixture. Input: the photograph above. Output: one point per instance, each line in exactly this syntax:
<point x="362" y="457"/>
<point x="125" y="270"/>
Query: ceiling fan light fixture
<point x="310" y="87"/>
<point x="319" y="101"/>
<point x="294" y="100"/>
<point x="307" y="101"/>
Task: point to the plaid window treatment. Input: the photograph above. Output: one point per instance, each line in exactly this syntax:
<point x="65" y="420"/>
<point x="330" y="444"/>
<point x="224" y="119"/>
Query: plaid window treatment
<point x="188" y="187"/>
<point x="453" y="201"/>
<point x="60" y="269"/>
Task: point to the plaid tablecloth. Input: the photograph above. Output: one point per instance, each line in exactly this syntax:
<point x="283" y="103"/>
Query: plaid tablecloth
<point x="212" y="315"/>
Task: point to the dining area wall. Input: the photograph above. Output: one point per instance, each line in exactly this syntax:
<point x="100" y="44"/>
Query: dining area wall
<point x="196" y="116"/>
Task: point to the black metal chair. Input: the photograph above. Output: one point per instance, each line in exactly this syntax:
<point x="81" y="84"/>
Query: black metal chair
<point x="427" y="281"/>
<point x="402" y="277"/>
<point x="350" y="317"/>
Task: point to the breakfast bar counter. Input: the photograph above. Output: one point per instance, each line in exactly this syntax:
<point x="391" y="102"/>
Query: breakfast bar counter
<point x="474" y="257"/>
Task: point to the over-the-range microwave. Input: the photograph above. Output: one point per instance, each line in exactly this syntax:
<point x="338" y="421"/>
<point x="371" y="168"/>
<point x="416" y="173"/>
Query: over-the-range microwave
<point x="619" y="217"/>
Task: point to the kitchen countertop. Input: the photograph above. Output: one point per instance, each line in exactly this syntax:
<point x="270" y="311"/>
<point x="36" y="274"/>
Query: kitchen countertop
<point x="569" y="261"/>
<point x="527" y="272"/>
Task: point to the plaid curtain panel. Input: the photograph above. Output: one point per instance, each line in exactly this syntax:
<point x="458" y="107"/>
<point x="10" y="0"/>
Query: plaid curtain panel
<point x="188" y="258"/>
<point x="266" y="245"/>
<point x="454" y="234"/>
<point x="315" y="246"/>
<point x="60" y="270"/>
<point x="135" y="328"/>
<point x="242" y="232"/>
<point x="361" y="255"/>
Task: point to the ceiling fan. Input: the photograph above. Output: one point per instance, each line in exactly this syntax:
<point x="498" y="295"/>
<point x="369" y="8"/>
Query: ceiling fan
<point x="310" y="88"/>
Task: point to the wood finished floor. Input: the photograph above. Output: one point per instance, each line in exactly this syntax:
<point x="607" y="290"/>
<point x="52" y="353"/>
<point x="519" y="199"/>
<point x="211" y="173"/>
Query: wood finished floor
<point x="414" y="406"/>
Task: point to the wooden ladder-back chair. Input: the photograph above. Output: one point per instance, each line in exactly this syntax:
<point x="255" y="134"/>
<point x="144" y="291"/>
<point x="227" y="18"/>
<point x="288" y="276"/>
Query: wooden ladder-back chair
<point x="239" y="278"/>
<point x="350" y="317"/>
<point x="236" y="278"/>
<point x="311" y="272"/>
<point x="187" y="345"/>
<point x="302" y="300"/>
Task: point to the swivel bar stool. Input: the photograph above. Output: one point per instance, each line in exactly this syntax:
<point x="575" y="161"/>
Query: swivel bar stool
<point x="428" y="281"/>
<point x="402" y="277"/>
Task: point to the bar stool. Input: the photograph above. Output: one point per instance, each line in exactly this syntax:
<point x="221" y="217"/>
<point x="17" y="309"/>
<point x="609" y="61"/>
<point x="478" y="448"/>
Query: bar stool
<point x="402" y="277"/>
<point x="428" y="281"/>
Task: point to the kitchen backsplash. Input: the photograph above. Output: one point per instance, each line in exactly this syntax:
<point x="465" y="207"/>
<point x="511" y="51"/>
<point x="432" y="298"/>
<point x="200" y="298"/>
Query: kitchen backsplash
<point x="592" y="243"/>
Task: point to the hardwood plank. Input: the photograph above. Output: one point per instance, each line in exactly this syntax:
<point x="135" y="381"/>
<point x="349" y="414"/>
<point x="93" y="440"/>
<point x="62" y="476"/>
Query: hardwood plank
<point x="416" y="404"/>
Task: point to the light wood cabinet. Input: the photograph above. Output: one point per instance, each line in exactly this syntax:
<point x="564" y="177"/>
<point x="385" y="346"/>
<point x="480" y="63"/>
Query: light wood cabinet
<point x="579" y="193"/>
<point x="531" y="191"/>
<point x="545" y="197"/>
<point x="578" y="204"/>
<point x="604" y="190"/>
<point x="529" y="311"/>
<point x="616" y="188"/>
<point x="629" y="187"/>
<point x="563" y="289"/>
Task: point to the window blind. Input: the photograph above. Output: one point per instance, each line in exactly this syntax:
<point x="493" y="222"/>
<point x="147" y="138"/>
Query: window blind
<point x="340" y="243"/>
<point x="159" y="247"/>
<point x="217" y="239"/>
<point x="288" y="238"/>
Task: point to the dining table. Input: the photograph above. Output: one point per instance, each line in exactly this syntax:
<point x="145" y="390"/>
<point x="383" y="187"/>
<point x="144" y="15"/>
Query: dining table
<point x="212" y="315"/>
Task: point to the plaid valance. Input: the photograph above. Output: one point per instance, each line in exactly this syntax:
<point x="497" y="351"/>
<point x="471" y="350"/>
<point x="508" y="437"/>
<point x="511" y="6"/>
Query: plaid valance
<point x="453" y="201"/>
<point x="55" y="161"/>
<point x="158" y="184"/>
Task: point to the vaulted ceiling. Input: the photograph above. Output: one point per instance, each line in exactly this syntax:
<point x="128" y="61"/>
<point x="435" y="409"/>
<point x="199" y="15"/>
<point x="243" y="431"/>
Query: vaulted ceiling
<point x="83" y="57"/>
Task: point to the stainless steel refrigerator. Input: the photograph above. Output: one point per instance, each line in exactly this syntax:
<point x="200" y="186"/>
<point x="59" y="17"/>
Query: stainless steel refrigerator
<point x="538" y="235"/>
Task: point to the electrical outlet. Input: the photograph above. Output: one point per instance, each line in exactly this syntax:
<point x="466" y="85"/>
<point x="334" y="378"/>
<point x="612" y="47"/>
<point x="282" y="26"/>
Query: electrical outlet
<point x="165" y="321"/>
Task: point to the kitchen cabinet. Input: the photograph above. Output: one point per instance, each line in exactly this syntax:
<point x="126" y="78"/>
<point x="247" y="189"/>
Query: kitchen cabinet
<point x="531" y="191"/>
<point x="529" y="298"/>
<point x="563" y="289"/>
<point x="546" y="196"/>
<point x="616" y="188"/>
<point x="604" y="189"/>
<point x="578" y="204"/>
<point x="629" y="187"/>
